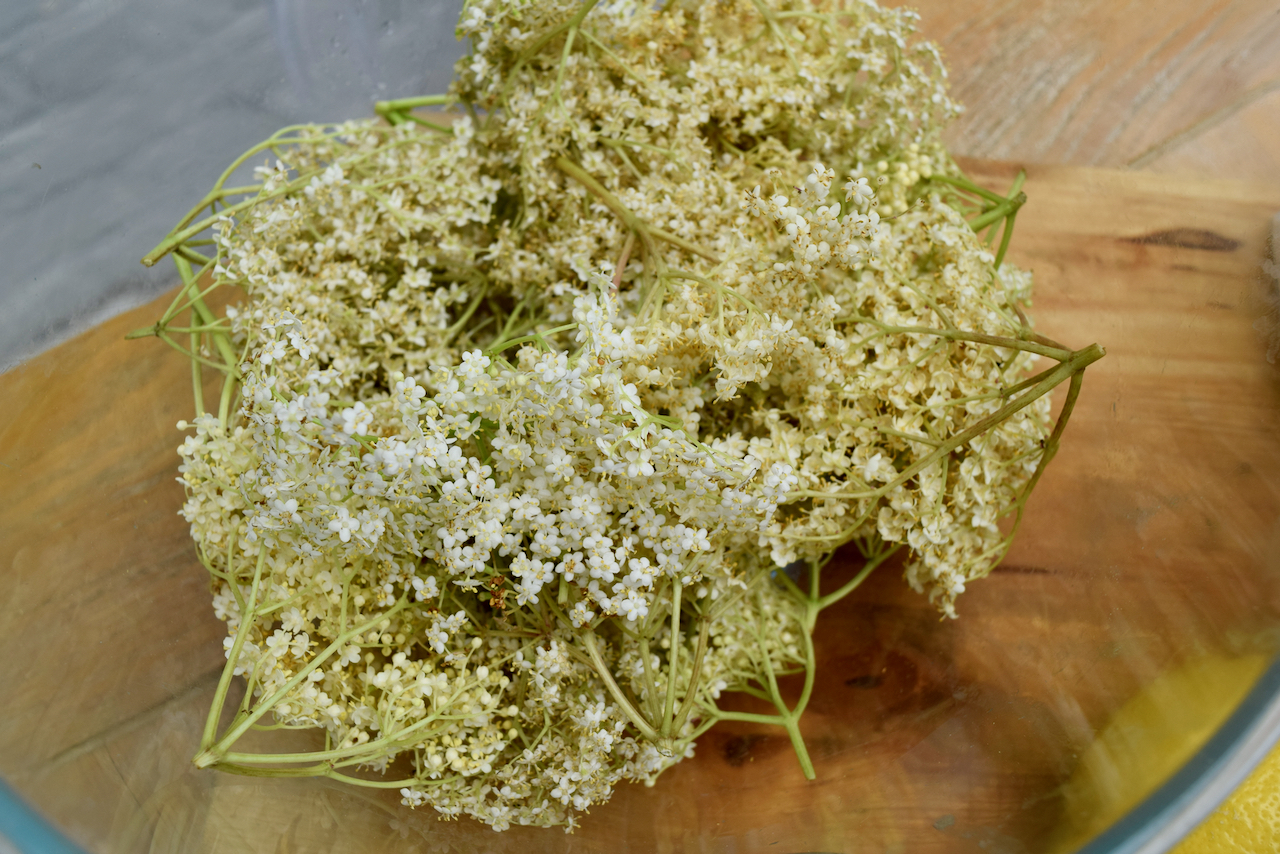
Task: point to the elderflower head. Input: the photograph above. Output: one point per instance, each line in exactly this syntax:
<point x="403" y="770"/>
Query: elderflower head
<point x="533" y="407"/>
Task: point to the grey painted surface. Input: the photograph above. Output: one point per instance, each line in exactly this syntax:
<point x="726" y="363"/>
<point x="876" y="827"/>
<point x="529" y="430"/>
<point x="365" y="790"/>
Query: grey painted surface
<point x="117" y="115"/>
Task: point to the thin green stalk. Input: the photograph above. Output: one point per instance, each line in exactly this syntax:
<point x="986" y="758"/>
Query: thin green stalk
<point x="772" y="23"/>
<point x="650" y="685"/>
<point x="564" y="61"/>
<point x="967" y="185"/>
<point x="1045" y="382"/>
<point x="539" y="337"/>
<point x="686" y="705"/>
<point x="790" y="717"/>
<point x="185" y="297"/>
<point x="224" y="402"/>
<point x="932" y="303"/>
<point x="179" y="235"/>
<point x="786" y="579"/>
<point x="221" y="340"/>
<point x="426" y="123"/>
<point x="400" y="105"/>
<point x="715" y="286"/>
<point x="606" y="676"/>
<point x="1005" y="238"/>
<point x="668" y="711"/>
<point x="193" y="356"/>
<point x="233" y="657"/>
<point x="620" y="210"/>
<point x="321" y="770"/>
<point x="197" y="378"/>
<point x="752" y="691"/>
<point x="1050" y="447"/>
<point x="210" y="755"/>
<point x="626" y="69"/>
<point x="852" y="584"/>
<point x="191" y="255"/>
<point x="749" y="717"/>
<point x="806" y="692"/>
<point x="371" y="748"/>
<point x="1055" y="353"/>
<point x="571" y="24"/>
<point x="388" y="784"/>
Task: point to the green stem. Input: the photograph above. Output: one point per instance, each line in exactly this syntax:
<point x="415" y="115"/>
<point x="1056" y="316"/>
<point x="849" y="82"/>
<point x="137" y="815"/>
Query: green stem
<point x="179" y="235"/>
<point x="967" y="185"/>
<point x="750" y="718"/>
<point x="233" y="656"/>
<point x="1005" y="238"/>
<point x="1055" y="353"/>
<point x="1045" y="382"/>
<point x="564" y="61"/>
<point x="597" y="661"/>
<point x="628" y="218"/>
<point x="789" y="717"/>
<point x="184" y="351"/>
<point x="751" y="691"/>
<point x="668" y="711"/>
<point x="571" y="24"/>
<point x="211" y="755"/>
<point x="852" y="584"/>
<point x="426" y="123"/>
<point x="686" y="706"/>
<point x="650" y="686"/>
<point x="626" y="69"/>
<point x="1050" y="447"/>
<point x="204" y="315"/>
<point x="385" y="784"/>
<point x="197" y="378"/>
<point x="772" y="23"/>
<point x="715" y="286"/>
<point x="398" y="105"/>
<point x="810" y="672"/>
<point x="372" y="748"/>
<point x="1000" y="211"/>
<point x="540" y="337"/>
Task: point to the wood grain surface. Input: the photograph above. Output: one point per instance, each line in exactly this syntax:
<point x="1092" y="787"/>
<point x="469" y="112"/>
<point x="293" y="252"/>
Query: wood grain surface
<point x="1175" y="86"/>
<point x="1154" y="538"/>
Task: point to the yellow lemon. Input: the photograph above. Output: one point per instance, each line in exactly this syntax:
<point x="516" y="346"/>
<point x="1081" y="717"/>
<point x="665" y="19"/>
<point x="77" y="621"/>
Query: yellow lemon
<point x="1248" y="822"/>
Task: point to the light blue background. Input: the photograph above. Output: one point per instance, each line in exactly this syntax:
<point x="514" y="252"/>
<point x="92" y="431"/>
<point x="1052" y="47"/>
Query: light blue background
<point x="132" y="108"/>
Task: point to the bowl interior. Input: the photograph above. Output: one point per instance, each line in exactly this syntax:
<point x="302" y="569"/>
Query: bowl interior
<point x="1138" y="606"/>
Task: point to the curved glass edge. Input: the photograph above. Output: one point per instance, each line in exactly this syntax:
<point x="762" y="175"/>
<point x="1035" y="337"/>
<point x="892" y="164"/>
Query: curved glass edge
<point x="1153" y="827"/>
<point x="1188" y="797"/>
<point x="26" y="830"/>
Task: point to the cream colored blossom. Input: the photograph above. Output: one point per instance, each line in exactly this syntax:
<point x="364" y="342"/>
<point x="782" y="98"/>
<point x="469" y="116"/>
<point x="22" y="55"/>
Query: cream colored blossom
<point x="667" y="310"/>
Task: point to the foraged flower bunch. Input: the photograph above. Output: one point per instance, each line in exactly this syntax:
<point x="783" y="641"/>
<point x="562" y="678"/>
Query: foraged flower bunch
<point x="432" y="571"/>
<point x="530" y="406"/>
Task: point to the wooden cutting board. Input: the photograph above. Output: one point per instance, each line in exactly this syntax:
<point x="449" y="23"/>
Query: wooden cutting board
<point x="1154" y="540"/>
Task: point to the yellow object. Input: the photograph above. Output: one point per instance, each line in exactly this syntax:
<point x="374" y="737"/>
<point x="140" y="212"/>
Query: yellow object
<point x="1248" y="822"/>
<point x="1153" y="735"/>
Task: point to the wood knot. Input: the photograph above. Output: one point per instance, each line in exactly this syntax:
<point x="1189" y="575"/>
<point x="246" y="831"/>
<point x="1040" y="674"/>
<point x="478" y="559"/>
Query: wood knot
<point x="737" y="750"/>
<point x="1188" y="238"/>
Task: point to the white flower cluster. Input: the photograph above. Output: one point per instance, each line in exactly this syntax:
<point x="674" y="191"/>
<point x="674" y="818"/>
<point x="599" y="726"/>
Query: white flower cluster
<point x="580" y="507"/>
<point x="532" y="412"/>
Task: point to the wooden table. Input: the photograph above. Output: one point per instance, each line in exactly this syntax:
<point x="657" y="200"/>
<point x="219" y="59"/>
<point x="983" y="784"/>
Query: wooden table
<point x="1175" y="86"/>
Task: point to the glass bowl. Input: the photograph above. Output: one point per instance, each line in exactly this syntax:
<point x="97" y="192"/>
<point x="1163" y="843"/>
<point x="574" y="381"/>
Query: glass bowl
<point x="1107" y="684"/>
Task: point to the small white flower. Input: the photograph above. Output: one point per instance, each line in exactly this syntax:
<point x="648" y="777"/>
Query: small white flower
<point x="344" y="525"/>
<point x="272" y="351"/>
